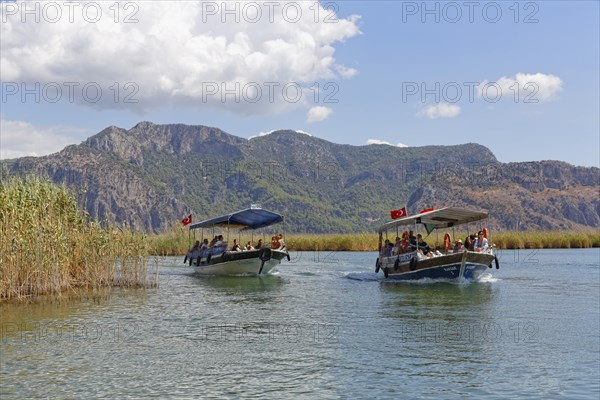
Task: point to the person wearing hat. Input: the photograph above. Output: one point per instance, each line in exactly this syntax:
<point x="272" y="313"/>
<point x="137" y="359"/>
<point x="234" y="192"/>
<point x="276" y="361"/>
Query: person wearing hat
<point x="481" y="243"/>
<point x="458" y="247"/>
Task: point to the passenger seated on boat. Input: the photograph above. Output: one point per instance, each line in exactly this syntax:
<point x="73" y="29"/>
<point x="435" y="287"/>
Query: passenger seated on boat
<point x="384" y="249"/>
<point x="249" y="246"/>
<point x="481" y="243"/>
<point x="213" y="242"/>
<point x="469" y="242"/>
<point x="423" y="246"/>
<point x="397" y="247"/>
<point x="280" y="241"/>
<point x="204" y="245"/>
<point x="458" y="247"/>
<point x="236" y="246"/>
<point x="259" y="244"/>
<point x="412" y="240"/>
<point x="274" y="242"/>
<point x="389" y="249"/>
<point x="219" y="242"/>
<point x="195" y="247"/>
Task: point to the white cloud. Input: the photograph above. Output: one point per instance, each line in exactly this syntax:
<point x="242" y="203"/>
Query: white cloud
<point x="261" y="134"/>
<point x="318" y="113"/>
<point x="345" y="72"/>
<point x="377" y="141"/>
<point x="528" y="88"/>
<point x="178" y="52"/>
<point x="303" y="132"/>
<point x="440" y="110"/>
<point x="20" y="139"/>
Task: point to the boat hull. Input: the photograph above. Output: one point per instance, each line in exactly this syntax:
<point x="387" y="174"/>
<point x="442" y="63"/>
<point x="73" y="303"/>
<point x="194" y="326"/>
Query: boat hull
<point x="249" y="263"/>
<point x="467" y="265"/>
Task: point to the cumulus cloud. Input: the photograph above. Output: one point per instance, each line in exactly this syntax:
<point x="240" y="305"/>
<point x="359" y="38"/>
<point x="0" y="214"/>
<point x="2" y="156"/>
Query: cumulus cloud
<point x="20" y="139"/>
<point x="377" y="141"/>
<point x="184" y="53"/>
<point x="528" y="88"/>
<point x="345" y="72"/>
<point x="318" y="114"/>
<point x="303" y="132"/>
<point x="440" y="110"/>
<point x="259" y="134"/>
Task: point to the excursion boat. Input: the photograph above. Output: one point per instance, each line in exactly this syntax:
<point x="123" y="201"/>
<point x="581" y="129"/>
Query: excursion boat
<point x="411" y="264"/>
<point x="219" y="260"/>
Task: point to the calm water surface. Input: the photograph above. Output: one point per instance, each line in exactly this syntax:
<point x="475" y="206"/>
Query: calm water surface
<point x="326" y="326"/>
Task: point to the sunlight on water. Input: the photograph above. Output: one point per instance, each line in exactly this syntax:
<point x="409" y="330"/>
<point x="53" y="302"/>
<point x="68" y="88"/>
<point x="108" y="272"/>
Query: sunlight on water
<point x="316" y="329"/>
<point x="488" y="278"/>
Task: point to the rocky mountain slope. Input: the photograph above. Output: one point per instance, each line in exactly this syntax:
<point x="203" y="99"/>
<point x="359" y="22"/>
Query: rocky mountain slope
<point x="151" y="176"/>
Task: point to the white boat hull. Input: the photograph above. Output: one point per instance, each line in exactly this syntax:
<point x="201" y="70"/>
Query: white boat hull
<point x="241" y="263"/>
<point x="241" y="267"/>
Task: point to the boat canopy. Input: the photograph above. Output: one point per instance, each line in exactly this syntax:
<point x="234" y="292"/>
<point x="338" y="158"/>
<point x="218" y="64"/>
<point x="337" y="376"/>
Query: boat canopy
<point x="251" y="218"/>
<point x="442" y="218"/>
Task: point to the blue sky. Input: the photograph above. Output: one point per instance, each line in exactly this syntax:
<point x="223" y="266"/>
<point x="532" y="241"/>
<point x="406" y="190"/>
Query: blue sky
<point x="373" y="59"/>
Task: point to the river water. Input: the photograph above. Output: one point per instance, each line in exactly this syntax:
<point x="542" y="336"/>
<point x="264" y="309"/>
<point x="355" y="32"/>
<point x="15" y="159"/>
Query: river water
<point x="325" y="326"/>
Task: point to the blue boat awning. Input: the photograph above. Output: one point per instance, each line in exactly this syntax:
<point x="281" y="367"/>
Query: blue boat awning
<point x="251" y="218"/>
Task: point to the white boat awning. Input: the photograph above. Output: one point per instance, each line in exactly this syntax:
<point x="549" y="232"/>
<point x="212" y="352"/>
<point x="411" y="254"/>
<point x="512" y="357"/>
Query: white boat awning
<point x="442" y="218"/>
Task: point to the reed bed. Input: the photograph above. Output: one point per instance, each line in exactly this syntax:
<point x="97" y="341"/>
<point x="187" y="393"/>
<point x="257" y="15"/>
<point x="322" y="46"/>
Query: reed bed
<point x="177" y="241"/>
<point x="547" y="239"/>
<point x="49" y="246"/>
<point x="173" y="242"/>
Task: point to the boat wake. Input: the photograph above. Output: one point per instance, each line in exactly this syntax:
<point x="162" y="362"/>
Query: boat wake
<point x="487" y="278"/>
<point x="364" y="276"/>
<point x="373" y="277"/>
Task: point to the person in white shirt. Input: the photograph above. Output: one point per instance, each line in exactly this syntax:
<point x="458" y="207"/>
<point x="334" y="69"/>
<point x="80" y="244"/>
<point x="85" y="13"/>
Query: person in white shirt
<point x="481" y="243"/>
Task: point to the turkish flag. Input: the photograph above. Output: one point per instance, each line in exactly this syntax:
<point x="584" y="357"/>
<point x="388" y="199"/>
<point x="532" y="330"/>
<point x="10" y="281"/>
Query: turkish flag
<point x="187" y="220"/>
<point x="398" y="213"/>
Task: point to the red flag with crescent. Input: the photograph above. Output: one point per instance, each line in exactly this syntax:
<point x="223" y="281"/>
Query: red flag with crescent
<point x="398" y="213"/>
<point x="187" y="220"/>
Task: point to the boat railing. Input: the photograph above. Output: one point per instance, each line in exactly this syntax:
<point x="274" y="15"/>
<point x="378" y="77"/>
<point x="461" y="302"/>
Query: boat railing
<point x="213" y="251"/>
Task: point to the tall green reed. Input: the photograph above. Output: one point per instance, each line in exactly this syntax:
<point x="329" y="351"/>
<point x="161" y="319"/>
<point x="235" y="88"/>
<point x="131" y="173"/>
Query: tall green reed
<point x="48" y="245"/>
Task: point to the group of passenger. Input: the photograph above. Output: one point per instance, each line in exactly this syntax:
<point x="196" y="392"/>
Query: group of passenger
<point x="236" y="246"/>
<point x="277" y="243"/>
<point x="474" y="242"/>
<point x="409" y="243"/>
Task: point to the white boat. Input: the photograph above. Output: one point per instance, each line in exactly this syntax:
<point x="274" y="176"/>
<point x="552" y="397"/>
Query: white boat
<point x="219" y="260"/>
<point x="409" y="262"/>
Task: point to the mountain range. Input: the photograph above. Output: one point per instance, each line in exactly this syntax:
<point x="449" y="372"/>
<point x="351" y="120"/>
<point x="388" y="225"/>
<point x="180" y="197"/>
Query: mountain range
<point x="151" y="176"/>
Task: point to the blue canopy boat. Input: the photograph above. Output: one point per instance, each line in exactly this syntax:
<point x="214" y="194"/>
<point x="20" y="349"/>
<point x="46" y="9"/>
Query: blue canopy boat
<point x="410" y="259"/>
<point x="218" y="260"/>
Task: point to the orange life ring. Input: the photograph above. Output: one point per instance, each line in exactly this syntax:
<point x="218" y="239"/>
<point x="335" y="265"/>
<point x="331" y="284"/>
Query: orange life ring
<point x="485" y="233"/>
<point x="447" y="241"/>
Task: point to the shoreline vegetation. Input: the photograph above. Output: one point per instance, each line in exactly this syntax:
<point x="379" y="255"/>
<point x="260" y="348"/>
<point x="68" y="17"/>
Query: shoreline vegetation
<point x="177" y="241"/>
<point x="49" y="246"/>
